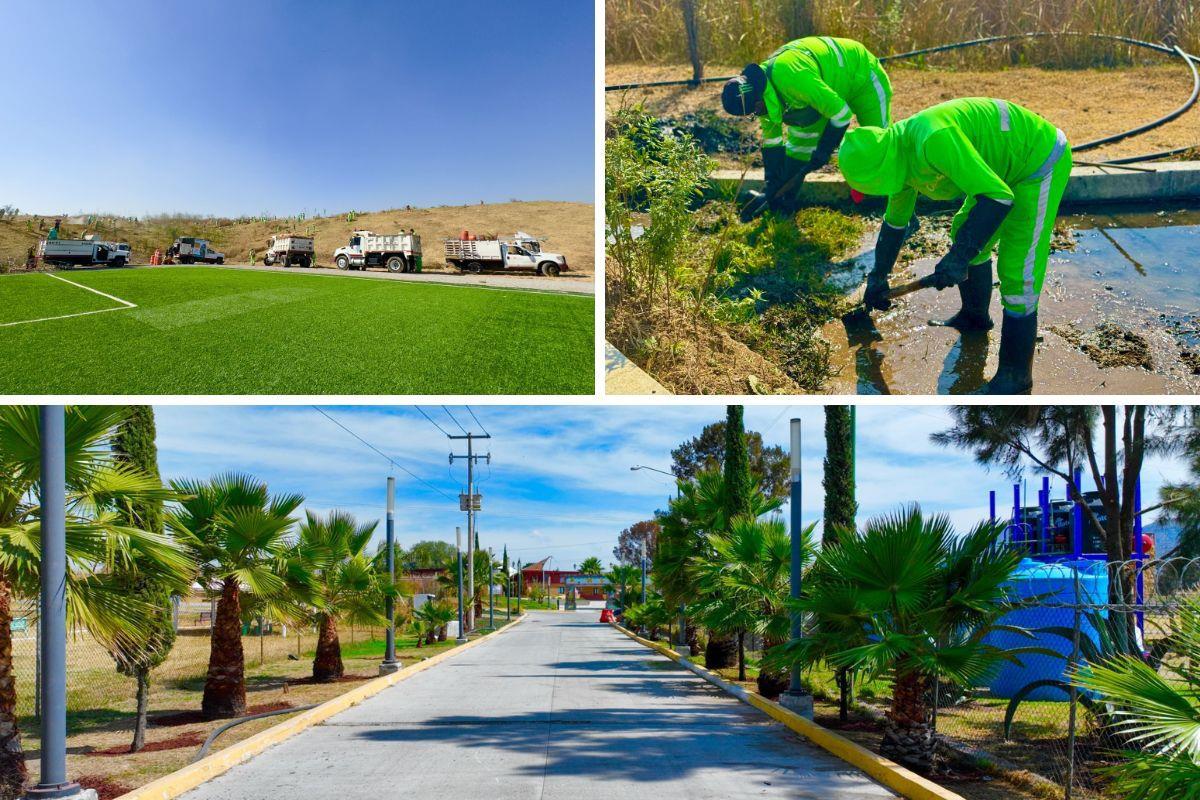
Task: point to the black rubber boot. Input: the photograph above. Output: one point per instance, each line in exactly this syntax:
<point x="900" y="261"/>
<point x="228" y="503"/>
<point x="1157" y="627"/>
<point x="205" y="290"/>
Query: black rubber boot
<point x="1018" y="337"/>
<point x="976" y="294"/>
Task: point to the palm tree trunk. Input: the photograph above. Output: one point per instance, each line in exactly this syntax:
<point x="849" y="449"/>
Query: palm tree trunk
<point x="741" y="655"/>
<point x="772" y="683"/>
<point x="225" y="686"/>
<point x="12" y="759"/>
<point x="908" y="735"/>
<point x="327" y="663"/>
<point x="143" y="704"/>
<point x="721" y="651"/>
<point x="842" y="676"/>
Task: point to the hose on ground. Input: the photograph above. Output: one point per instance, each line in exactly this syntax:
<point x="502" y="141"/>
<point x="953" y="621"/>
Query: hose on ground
<point x="233" y="723"/>
<point x="1188" y="59"/>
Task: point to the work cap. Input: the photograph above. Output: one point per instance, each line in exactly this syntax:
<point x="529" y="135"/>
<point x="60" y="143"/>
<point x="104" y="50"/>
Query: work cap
<point x="741" y="95"/>
<point x="871" y="161"/>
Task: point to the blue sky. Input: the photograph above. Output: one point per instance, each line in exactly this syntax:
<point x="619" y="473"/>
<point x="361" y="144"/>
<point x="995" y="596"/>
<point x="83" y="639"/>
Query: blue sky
<point x="229" y="107"/>
<point x="559" y="483"/>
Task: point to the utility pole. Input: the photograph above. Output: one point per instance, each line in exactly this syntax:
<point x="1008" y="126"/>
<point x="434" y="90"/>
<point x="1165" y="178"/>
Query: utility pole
<point x="491" y="591"/>
<point x="462" y="633"/>
<point x="471" y="507"/>
<point x="53" y="781"/>
<point x="520" y="586"/>
<point x="795" y="698"/>
<point x="389" y="664"/>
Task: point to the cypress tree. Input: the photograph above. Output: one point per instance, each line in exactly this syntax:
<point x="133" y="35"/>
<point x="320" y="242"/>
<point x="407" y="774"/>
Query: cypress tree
<point x="134" y="445"/>
<point x="841" y="508"/>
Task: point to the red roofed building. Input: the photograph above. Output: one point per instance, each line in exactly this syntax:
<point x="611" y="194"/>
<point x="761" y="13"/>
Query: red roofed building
<point x="558" y="582"/>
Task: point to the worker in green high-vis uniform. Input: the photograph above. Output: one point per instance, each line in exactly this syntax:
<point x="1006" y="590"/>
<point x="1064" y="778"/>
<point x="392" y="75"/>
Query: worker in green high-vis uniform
<point x="1012" y="167"/>
<point x="806" y="93"/>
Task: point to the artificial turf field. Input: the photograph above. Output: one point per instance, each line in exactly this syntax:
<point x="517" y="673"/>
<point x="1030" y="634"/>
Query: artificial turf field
<point x="203" y="330"/>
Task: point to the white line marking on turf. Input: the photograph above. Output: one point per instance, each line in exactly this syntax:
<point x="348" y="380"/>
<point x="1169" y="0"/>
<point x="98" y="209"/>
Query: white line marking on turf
<point x="64" y="316"/>
<point x="125" y="305"/>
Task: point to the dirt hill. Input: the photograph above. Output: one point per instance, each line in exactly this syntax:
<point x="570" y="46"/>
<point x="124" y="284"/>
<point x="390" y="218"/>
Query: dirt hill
<point x="567" y="228"/>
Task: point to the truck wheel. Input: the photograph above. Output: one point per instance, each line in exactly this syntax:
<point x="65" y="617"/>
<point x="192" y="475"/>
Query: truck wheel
<point x="221" y="260"/>
<point x="267" y="261"/>
<point x="549" y="269"/>
<point x="118" y="262"/>
<point x="185" y="259"/>
<point x="342" y="263"/>
<point x="396" y="264"/>
<point x="305" y="262"/>
<point x="474" y="268"/>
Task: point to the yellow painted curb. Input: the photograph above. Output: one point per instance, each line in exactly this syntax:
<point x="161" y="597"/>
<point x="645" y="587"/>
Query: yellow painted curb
<point x="908" y="783"/>
<point x="191" y="776"/>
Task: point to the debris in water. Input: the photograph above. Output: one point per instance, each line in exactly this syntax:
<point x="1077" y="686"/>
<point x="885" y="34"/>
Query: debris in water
<point x="1109" y="344"/>
<point x="715" y="133"/>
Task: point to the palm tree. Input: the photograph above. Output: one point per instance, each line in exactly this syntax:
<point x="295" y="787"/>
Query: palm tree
<point x="1157" y="717"/>
<point x="346" y="585"/>
<point x="924" y="600"/>
<point x="621" y="580"/>
<point x="591" y="566"/>
<point x="100" y="544"/>
<point x="745" y="578"/>
<point x="701" y="509"/>
<point x="239" y="533"/>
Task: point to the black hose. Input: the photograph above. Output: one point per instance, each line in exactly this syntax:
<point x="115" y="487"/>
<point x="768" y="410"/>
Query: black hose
<point x="233" y="723"/>
<point x="1188" y="59"/>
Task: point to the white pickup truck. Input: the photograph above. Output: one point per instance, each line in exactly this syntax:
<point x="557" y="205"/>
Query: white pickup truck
<point x="475" y="255"/>
<point x="87" y="251"/>
<point x="398" y="252"/>
<point x="288" y="249"/>
<point x="190" y="250"/>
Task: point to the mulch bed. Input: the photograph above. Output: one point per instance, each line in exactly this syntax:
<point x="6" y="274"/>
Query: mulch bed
<point x="196" y="717"/>
<point x="183" y="740"/>
<point x="106" y="788"/>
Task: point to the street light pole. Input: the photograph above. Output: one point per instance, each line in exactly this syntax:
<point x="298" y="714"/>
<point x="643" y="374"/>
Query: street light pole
<point x="491" y="591"/>
<point x="795" y="698"/>
<point x="389" y="664"/>
<point x="462" y="633"/>
<point x="643" y="572"/>
<point x="53" y="781"/>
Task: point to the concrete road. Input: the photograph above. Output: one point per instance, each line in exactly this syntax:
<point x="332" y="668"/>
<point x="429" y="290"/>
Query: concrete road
<point x="557" y="708"/>
<point x="564" y="284"/>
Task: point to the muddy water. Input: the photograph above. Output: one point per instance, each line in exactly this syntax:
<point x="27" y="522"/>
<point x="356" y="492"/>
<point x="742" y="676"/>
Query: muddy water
<point x="1135" y="268"/>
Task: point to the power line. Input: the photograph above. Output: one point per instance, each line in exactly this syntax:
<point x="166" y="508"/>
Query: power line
<point x="431" y="422"/>
<point x="452" y="419"/>
<point x="390" y="460"/>
<point x="477" y="422"/>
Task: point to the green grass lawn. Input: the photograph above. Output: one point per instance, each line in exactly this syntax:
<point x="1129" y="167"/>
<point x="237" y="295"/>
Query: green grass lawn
<point x="219" y="331"/>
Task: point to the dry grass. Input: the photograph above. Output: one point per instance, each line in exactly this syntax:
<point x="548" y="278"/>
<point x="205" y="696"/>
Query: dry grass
<point x="568" y="228"/>
<point x="1086" y="103"/>
<point x="652" y="31"/>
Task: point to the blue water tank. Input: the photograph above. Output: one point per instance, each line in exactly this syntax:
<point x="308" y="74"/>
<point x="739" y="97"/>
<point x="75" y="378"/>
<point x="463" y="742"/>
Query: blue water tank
<point x="1055" y="582"/>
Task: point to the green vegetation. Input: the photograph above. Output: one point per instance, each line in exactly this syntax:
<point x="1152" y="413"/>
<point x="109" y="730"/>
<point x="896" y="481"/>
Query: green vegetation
<point x="685" y="276"/>
<point x="103" y="550"/>
<point x="222" y="331"/>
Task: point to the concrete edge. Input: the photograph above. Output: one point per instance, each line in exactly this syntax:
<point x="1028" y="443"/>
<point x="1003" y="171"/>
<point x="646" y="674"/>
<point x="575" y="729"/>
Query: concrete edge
<point x="622" y="376"/>
<point x="189" y="777"/>
<point x="895" y="777"/>
<point x="1089" y="185"/>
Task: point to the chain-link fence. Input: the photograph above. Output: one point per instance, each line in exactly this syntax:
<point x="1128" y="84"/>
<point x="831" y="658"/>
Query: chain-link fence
<point x="94" y="685"/>
<point x="1029" y="717"/>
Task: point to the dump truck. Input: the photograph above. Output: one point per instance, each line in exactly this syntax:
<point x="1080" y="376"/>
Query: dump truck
<point x="190" y="250"/>
<point x="397" y="252"/>
<point x="288" y="249"/>
<point x="87" y="251"/>
<point x="476" y="255"/>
